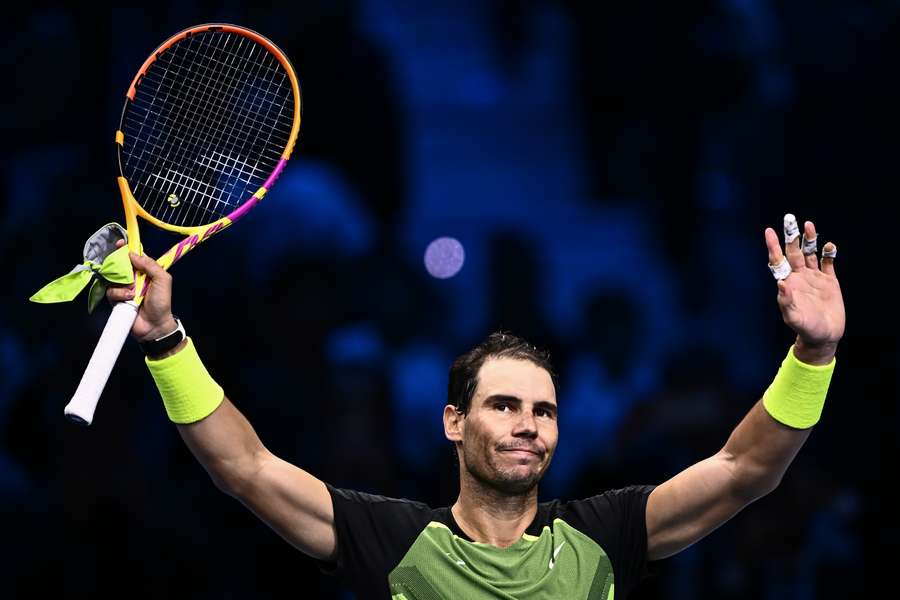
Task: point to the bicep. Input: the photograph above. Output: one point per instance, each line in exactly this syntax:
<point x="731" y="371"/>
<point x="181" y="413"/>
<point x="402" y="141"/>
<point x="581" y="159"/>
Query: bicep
<point x="296" y="505"/>
<point x="692" y="504"/>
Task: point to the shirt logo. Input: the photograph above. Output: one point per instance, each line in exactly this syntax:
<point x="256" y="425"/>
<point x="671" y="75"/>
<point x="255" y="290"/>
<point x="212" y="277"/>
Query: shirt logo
<point x="555" y="553"/>
<point x="461" y="563"/>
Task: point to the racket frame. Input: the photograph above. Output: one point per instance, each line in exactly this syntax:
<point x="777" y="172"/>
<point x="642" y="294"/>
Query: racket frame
<point x="82" y="406"/>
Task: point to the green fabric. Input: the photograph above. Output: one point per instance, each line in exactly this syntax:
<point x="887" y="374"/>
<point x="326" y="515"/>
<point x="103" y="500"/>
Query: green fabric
<point x="115" y="268"/>
<point x="560" y="563"/>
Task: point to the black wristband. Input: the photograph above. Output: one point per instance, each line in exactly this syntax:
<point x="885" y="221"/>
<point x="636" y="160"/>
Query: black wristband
<point x="165" y="343"/>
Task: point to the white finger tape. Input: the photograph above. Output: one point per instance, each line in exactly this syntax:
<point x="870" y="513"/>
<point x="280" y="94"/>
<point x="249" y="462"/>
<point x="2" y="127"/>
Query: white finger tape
<point x="809" y="246"/>
<point x="829" y="253"/>
<point x="791" y="231"/>
<point x="781" y="270"/>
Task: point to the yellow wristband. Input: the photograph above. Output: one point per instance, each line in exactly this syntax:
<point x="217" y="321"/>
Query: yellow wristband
<point x="797" y="395"/>
<point x="188" y="392"/>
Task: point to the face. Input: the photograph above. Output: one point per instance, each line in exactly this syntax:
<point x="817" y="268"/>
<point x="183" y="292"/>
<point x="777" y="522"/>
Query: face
<point x="510" y="432"/>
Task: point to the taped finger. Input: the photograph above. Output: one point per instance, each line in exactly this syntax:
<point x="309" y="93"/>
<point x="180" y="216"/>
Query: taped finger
<point x="809" y="246"/>
<point x="791" y="231"/>
<point x="781" y="270"/>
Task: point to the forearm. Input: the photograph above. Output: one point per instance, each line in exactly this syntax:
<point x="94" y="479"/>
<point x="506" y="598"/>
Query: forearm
<point x="761" y="446"/>
<point x="218" y="435"/>
<point x="762" y="449"/>
<point x="226" y="445"/>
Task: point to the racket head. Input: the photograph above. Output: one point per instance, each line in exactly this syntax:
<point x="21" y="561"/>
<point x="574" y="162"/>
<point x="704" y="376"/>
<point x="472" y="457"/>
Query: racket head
<point x="208" y="124"/>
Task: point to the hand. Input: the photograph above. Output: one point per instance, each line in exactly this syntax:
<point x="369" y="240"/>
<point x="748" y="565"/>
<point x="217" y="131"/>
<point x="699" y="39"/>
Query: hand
<point x="154" y="318"/>
<point x="810" y="297"/>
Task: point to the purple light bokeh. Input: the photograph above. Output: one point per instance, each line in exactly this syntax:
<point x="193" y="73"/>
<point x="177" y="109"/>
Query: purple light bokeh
<point x="444" y="257"/>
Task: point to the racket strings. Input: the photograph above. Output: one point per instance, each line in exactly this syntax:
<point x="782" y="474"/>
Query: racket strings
<point x="206" y="98"/>
<point x="285" y="129"/>
<point x="194" y="118"/>
<point x="175" y="137"/>
<point x="207" y="126"/>
<point x="220" y="125"/>
<point x="223" y="69"/>
<point x="204" y="76"/>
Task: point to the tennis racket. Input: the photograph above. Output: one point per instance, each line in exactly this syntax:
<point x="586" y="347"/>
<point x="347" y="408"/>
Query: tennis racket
<point x="209" y="122"/>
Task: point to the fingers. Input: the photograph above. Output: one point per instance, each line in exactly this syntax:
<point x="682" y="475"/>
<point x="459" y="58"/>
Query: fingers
<point x="119" y="293"/>
<point x="144" y="263"/>
<point x="792" y="243"/>
<point x="828" y="254"/>
<point x="778" y="264"/>
<point x="775" y="254"/>
<point x="799" y="251"/>
<point x="809" y="246"/>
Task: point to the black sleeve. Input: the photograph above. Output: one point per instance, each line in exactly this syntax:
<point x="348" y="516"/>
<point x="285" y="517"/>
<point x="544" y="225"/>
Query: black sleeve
<point x="373" y="534"/>
<point x="616" y="520"/>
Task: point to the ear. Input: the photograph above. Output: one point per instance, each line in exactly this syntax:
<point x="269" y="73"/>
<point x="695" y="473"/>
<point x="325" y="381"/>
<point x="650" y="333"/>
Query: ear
<point x="454" y="424"/>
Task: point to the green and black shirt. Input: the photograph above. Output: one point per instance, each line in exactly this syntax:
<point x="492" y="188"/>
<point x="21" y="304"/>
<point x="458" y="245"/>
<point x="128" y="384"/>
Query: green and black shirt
<point x="398" y="549"/>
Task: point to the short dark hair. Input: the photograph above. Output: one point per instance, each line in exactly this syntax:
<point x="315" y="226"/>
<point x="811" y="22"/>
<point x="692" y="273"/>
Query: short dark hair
<point x="500" y="344"/>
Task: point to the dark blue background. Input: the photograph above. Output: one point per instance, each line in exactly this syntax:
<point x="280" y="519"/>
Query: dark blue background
<point x="610" y="173"/>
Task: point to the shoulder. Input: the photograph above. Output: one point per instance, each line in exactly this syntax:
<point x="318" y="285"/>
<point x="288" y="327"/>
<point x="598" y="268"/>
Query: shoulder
<point x="363" y="505"/>
<point x="612" y="497"/>
<point x="360" y="497"/>
<point x="373" y="533"/>
<point x="610" y="506"/>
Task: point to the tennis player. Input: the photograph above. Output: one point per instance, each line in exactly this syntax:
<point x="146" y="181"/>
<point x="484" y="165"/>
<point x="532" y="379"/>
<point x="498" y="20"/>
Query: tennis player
<point x="496" y="540"/>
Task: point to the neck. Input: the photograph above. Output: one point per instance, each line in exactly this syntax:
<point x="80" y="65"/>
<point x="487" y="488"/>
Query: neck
<point x="491" y="516"/>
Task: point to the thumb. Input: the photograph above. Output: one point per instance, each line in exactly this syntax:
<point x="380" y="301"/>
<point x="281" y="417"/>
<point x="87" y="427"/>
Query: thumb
<point x="784" y="294"/>
<point x="147" y="265"/>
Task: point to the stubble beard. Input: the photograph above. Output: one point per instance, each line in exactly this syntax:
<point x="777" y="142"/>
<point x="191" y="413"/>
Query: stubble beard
<point x="507" y="480"/>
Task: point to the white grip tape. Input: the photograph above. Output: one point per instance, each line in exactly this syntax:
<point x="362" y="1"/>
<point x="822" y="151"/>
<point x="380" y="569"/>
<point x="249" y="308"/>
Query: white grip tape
<point x="81" y="408"/>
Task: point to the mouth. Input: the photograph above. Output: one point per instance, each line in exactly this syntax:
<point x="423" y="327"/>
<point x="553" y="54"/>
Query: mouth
<point x="521" y="452"/>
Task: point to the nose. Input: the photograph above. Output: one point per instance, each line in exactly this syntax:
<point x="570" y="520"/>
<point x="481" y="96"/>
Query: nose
<point x="526" y="425"/>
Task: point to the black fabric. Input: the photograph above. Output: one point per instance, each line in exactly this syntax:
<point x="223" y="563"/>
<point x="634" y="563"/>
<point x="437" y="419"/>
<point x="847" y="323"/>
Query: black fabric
<point x="374" y="533"/>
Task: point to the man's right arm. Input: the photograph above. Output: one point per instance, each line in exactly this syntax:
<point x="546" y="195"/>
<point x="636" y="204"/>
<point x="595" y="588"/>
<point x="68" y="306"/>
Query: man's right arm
<point x="288" y="499"/>
<point x="291" y="501"/>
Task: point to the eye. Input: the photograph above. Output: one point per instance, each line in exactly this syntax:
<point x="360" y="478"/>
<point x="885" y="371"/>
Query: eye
<point x="545" y="412"/>
<point x="500" y="405"/>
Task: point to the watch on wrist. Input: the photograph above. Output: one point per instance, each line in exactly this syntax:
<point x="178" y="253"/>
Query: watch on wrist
<point x="165" y="343"/>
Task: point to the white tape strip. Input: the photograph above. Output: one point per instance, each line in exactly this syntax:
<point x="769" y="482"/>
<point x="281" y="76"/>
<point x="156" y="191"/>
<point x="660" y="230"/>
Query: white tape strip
<point x="809" y="246"/>
<point x="791" y="231"/>
<point x="781" y="270"/>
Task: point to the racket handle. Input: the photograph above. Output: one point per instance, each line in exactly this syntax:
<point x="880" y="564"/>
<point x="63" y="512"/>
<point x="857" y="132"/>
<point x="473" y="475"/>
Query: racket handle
<point x="80" y="408"/>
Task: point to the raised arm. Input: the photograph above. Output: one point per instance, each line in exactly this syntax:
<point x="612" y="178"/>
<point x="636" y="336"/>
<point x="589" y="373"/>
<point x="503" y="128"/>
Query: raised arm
<point x="288" y="499"/>
<point x="753" y="461"/>
<point x="698" y="500"/>
<point x="292" y="502"/>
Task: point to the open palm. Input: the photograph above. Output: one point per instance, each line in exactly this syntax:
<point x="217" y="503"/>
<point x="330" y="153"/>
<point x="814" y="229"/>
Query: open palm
<point x="810" y="296"/>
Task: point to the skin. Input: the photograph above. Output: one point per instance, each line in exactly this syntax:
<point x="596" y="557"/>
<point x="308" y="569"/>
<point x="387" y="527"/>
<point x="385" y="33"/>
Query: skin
<point x="498" y="488"/>
<point x="698" y="500"/>
<point x="155" y="317"/>
<point x="810" y="298"/>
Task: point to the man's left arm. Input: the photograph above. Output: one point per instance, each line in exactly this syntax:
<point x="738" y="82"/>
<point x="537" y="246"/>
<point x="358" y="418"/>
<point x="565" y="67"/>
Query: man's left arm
<point x="695" y="502"/>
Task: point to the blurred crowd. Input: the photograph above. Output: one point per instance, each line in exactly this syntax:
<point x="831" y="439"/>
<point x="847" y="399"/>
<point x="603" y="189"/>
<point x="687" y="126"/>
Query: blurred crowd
<point x="609" y="170"/>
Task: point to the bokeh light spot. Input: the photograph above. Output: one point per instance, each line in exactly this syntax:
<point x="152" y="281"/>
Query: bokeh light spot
<point x="444" y="257"/>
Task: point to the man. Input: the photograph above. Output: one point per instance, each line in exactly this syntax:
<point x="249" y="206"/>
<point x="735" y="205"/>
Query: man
<point x="496" y="540"/>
